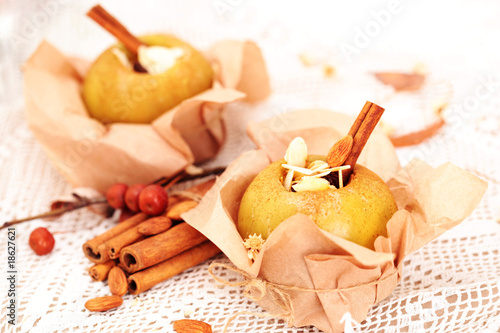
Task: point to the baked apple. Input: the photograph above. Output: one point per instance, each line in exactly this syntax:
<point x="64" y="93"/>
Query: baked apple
<point x="358" y="212"/>
<point x="121" y="87"/>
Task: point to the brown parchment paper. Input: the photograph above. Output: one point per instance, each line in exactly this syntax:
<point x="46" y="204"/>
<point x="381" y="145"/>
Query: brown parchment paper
<point x="88" y="153"/>
<point x="322" y="275"/>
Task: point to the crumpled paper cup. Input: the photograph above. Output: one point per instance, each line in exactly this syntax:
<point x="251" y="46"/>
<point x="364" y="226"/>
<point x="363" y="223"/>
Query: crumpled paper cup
<point x="306" y="275"/>
<point x="88" y="153"/>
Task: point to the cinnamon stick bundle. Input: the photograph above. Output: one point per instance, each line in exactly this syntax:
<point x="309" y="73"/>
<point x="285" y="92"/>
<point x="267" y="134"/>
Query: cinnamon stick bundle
<point x="129" y="236"/>
<point x="95" y="249"/>
<point x="161" y="247"/>
<point x="151" y="276"/>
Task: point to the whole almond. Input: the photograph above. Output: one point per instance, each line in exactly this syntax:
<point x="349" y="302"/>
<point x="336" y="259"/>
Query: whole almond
<point x="105" y="303"/>
<point x="339" y="151"/>
<point x="154" y="225"/>
<point x="191" y="326"/>
<point x="117" y="281"/>
<point x="179" y="208"/>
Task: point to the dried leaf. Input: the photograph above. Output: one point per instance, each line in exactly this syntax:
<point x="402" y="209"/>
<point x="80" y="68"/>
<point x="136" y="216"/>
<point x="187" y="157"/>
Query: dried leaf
<point x="401" y="81"/>
<point x="417" y="137"/>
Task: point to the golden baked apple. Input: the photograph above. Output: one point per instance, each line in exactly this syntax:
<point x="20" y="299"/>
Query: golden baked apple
<point x="357" y="212"/>
<point x="116" y="89"/>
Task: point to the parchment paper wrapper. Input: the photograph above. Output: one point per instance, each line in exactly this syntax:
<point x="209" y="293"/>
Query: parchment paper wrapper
<point x="308" y="276"/>
<point x="88" y="153"/>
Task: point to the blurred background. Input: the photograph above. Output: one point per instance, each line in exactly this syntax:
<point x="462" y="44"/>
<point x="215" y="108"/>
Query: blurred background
<point x="366" y="35"/>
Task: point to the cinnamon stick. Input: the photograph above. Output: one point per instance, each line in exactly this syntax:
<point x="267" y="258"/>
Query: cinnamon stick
<point x="161" y="247"/>
<point x="360" y="131"/>
<point x="132" y="235"/>
<point x="99" y="272"/>
<point x="179" y="208"/>
<point x="115" y="244"/>
<point x="112" y="25"/>
<point x="160" y="272"/>
<point x="95" y="249"/>
<point x="154" y="226"/>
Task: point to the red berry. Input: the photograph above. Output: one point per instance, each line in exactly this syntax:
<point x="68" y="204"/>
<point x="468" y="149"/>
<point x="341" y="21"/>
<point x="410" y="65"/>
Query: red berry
<point x="41" y="241"/>
<point x="125" y="214"/>
<point x="116" y="195"/>
<point x="132" y="196"/>
<point x="153" y="200"/>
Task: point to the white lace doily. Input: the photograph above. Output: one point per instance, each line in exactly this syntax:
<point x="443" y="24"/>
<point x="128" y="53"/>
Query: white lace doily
<point x="450" y="285"/>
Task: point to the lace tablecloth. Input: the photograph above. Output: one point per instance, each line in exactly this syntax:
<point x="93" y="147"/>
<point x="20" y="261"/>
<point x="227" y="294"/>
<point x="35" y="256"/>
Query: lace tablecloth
<point x="450" y="285"/>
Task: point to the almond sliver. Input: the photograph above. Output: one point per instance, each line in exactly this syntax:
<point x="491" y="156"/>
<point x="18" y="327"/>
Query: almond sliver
<point x="298" y="169"/>
<point x="342" y="167"/>
<point x="322" y="174"/>
<point x="308" y="183"/>
<point x="287" y="183"/>
<point x="318" y="165"/>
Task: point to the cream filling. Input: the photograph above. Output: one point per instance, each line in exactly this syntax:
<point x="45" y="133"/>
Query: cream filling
<point x="158" y="59"/>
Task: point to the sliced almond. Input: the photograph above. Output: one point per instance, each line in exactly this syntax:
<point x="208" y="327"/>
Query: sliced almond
<point x="193" y="170"/>
<point x="339" y="151"/>
<point x="323" y="174"/>
<point x="308" y="183"/>
<point x="296" y="153"/>
<point x="318" y="166"/>
<point x="179" y="208"/>
<point x="191" y="326"/>
<point x="105" y="303"/>
<point x="304" y="171"/>
<point x="117" y="281"/>
<point x="287" y="183"/>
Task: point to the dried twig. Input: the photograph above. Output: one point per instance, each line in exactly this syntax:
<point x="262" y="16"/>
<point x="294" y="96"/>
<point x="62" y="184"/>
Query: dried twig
<point x="66" y="207"/>
<point x="58" y="208"/>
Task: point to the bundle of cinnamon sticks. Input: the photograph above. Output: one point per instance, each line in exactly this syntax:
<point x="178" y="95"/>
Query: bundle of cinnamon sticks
<point x="151" y="249"/>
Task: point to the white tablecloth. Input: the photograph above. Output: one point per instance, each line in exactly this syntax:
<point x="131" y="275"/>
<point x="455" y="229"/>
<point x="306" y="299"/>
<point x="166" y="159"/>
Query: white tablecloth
<point x="450" y="285"/>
